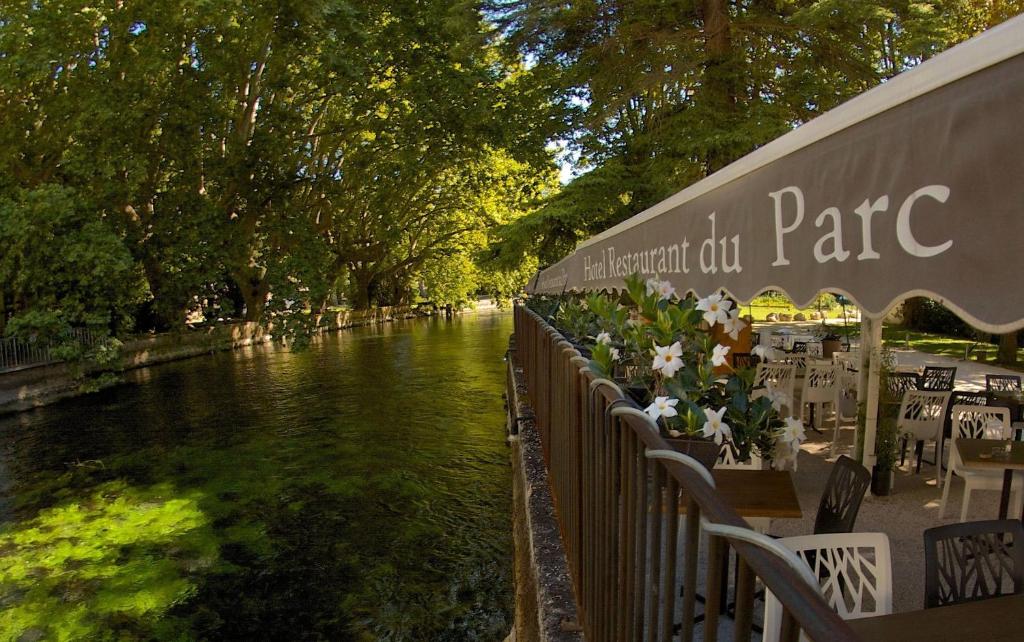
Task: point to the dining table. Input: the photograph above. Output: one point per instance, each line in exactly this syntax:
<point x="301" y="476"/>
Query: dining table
<point x="752" y="493"/>
<point x="989" y="455"/>
<point x="998" y="619"/>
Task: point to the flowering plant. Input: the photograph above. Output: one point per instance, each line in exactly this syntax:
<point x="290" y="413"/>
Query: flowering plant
<point x="663" y="351"/>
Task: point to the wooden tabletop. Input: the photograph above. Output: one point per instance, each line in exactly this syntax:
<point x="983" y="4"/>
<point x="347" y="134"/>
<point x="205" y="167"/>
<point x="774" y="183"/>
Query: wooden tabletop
<point x="994" y="620"/>
<point x="971" y="451"/>
<point x="757" y="493"/>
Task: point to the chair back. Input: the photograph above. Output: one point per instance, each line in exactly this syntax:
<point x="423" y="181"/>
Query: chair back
<point x="962" y="398"/>
<point x="848" y="360"/>
<point x="821" y="383"/>
<point x="799" y="347"/>
<point x="840" y="501"/>
<point x="973" y="561"/>
<point x="728" y="459"/>
<point x="977" y="422"/>
<point x="854" y="572"/>
<point x="1002" y="383"/>
<point x="897" y="384"/>
<point x="922" y="413"/>
<point x="778" y="377"/>
<point x="744" y="360"/>
<point x="938" y="378"/>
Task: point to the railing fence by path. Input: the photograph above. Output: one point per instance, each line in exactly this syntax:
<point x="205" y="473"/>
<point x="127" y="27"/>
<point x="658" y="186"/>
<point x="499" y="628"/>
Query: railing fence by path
<point x="618" y="502"/>
<point x="16" y="354"/>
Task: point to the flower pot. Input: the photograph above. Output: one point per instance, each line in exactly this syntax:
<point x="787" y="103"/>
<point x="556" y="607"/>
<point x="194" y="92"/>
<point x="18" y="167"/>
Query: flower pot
<point x="703" y="450"/>
<point x="882" y="481"/>
<point x="830" y="347"/>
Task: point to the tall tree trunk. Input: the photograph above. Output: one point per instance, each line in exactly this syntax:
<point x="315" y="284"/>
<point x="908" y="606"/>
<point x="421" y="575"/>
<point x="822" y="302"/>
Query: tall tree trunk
<point x="720" y="77"/>
<point x="1008" y="348"/>
<point x="252" y="283"/>
<point x="362" y="286"/>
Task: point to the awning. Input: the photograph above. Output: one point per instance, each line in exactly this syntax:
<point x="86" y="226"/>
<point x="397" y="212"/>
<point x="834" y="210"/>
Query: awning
<point x="913" y="188"/>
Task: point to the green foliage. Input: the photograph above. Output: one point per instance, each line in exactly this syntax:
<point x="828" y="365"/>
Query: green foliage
<point x="59" y="257"/>
<point x="219" y="158"/>
<point x="651" y="96"/>
<point x="623" y="340"/>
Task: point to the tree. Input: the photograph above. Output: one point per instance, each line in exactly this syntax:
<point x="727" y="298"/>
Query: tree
<point x="657" y="95"/>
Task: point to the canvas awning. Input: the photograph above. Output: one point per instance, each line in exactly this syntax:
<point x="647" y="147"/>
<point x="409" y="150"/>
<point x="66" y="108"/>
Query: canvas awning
<point x="913" y="188"/>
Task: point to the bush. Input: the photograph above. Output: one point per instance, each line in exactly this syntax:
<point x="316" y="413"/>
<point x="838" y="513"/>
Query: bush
<point x="927" y="315"/>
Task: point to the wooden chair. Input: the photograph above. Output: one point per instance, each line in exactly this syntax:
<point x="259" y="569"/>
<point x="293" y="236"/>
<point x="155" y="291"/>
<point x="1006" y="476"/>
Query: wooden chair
<point x="854" y="572"/>
<point x="975" y="422"/>
<point x="973" y="561"/>
<point x="921" y="417"/>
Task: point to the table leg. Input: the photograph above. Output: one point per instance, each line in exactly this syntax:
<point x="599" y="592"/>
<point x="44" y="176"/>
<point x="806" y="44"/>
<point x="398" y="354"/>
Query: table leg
<point x="1004" y="500"/>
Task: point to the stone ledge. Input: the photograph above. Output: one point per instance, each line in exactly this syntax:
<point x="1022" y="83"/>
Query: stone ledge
<point x="545" y="602"/>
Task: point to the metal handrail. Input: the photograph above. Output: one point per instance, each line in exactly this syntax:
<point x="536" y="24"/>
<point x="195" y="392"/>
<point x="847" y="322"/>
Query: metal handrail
<point x="609" y="465"/>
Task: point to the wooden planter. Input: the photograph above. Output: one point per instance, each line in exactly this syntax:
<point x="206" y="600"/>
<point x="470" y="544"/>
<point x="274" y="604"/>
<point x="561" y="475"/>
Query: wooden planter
<point x="703" y="450"/>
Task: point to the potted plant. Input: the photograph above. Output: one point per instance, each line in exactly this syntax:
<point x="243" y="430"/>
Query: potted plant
<point x="883" y="475"/>
<point x="663" y="352"/>
<point x="830" y="344"/>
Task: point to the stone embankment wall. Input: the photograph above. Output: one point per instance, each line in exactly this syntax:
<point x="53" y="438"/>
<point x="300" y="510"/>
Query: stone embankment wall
<point x="45" y="384"/>
<point x="545" y="601"/>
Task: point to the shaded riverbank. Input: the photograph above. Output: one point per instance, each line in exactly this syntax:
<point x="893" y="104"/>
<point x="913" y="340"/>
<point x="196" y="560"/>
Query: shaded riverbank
<point x="359" y="490"/>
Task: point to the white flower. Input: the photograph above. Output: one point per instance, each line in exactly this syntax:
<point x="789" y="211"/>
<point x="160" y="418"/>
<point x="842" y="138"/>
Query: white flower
<point x="665" y="290"/>
<point x="715" y="309"/>
<point x="614" y="352"/>
<point x="766" y="353"/>
<point x="718" y="358"/>
<point x="668" y="359"/>
<point x="584" y="305"/>
<point x="793" y="432"/>
<point x="715" y="427"/>
<point x="604" y="337"/>
<point x="778" y="398"/>
<point x="653" y="284"/>
<point x="662" y="407"/>
<point x="734" y="325"/>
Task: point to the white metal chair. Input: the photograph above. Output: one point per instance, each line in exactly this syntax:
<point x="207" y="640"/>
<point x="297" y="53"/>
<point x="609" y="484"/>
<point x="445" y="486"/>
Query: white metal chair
<point x="854" y="572"/>
<point x="921" y="418"/>
<point x="775" y="378"/>
<point x="975" y="422"/>
<point x="822" y="386"/>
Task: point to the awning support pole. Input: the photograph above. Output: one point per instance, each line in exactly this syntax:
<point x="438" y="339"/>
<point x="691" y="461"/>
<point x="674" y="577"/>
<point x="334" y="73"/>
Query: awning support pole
<point x="867" y="391"/>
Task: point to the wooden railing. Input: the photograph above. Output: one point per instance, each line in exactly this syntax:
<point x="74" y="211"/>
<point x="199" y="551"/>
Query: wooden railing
<point x="617" y="494"/>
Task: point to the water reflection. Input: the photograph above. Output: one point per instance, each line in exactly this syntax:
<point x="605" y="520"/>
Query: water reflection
<point x="359" y="490"/>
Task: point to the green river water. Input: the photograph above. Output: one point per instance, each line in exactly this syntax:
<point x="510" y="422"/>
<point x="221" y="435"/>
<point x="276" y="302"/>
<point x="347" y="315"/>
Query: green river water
<point x="359" y="490"/>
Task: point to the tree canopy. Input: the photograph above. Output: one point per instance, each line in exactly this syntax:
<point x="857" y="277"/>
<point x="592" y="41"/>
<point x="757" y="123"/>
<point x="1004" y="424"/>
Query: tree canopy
<point x="169" y="161"/>
<point x="225" y="158"/>
<point x="654" y="95"/>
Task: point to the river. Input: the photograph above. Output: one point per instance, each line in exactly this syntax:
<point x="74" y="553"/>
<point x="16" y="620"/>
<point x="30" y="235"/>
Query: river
<point x="358" y="490"/>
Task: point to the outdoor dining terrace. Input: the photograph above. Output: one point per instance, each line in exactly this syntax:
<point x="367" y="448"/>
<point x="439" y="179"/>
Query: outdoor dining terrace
<point x="659" y="548"/>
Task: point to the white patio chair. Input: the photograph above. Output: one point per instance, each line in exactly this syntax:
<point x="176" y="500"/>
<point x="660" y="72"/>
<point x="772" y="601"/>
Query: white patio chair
<point x="822" y="386"/>
<point x="975" y="422"/>
<point x="921" y="418"/>
<point x="775" y="378"/>
<point x="854" y="572"/>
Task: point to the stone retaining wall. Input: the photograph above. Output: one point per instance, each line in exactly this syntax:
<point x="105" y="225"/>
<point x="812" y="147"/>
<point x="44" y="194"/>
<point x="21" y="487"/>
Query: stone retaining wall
<point x="545" y="603"/>
<point x="45" y="384"/>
